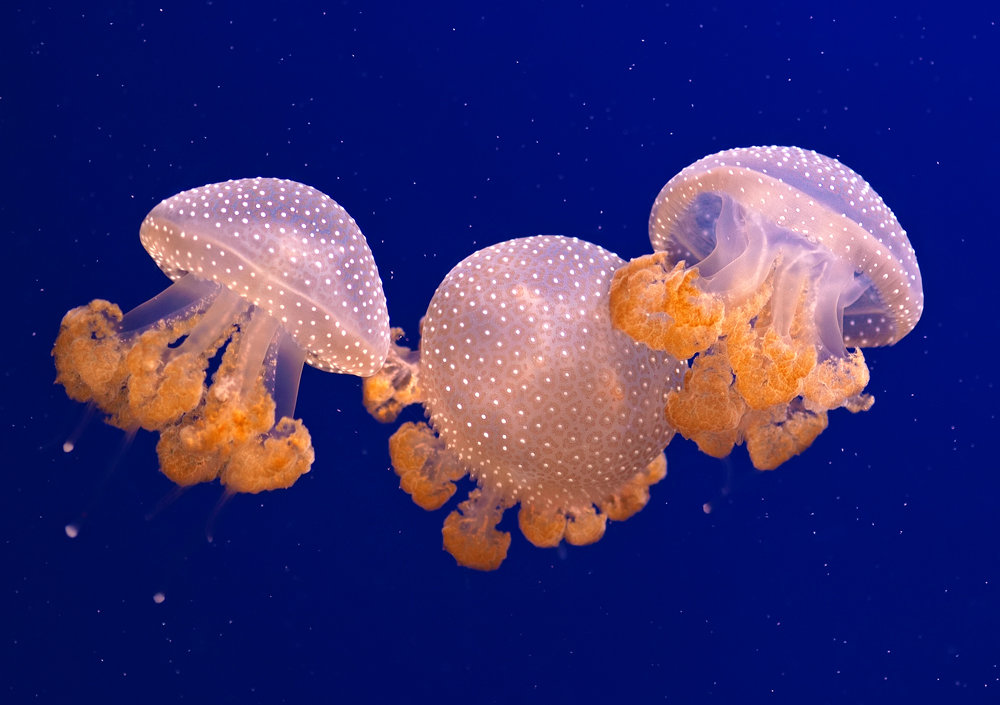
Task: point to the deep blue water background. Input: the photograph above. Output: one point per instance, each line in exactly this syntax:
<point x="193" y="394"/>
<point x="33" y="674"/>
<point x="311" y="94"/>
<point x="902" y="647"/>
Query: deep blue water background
<point x="864" y="571"/>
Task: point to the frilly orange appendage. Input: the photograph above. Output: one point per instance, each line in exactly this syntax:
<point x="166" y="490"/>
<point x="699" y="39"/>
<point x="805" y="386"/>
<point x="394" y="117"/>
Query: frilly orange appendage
<point x="126" y="377"/>
<point x="665" y="308"/>
<point x="89" y="355"/>
<point x="769" y="369"/>
<point x="396" y="385"/>
<point x="748" y="382"/>
<point x="546" y="527"/>
<point x="232" y="436"/>
<point x="839" y="382"/>
<point x="274" y="462"/>
<point x="708" y="409"/>
<point x="159" y="393"/>
<point x="585" y="526"/>
<point x="470" y="534"/>
<point x="426" y="470"/>
<point x="780" y="433"/>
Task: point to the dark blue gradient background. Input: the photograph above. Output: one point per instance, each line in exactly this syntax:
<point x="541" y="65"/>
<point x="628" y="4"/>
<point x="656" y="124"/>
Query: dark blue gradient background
<point x="864" y="571"/>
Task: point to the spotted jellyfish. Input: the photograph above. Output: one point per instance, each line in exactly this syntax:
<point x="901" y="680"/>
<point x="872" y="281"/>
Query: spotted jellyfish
<point x="273" y="272"/>
<point x="769" y="263"/>
<point x="531" y="392"/>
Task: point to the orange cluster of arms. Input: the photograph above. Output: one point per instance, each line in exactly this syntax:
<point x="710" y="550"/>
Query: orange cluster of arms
<point x="550" y="370"/>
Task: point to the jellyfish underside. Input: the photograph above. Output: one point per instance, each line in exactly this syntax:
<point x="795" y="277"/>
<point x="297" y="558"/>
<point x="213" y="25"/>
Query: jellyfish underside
<point x="148" y="369"/>
<point x="428" y="470"/>
<point x="762" y="317"/>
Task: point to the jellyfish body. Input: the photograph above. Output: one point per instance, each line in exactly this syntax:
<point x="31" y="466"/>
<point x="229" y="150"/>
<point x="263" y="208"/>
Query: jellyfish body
<point x="272" y="271"/>
<point x="770" y="262"/>
<point x="531" y="392"/>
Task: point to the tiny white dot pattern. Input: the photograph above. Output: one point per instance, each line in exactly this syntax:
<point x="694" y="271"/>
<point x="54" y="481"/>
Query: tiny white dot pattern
<point x="289" y="249"/>
<point x="527" y="381"/>
<point x="823" y="201"/>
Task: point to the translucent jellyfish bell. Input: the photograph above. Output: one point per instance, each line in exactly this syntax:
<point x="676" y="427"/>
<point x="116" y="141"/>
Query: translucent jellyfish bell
<point x="277" y="274"/>
<point x="531" y="392"/>
<point x="770" y="263"/>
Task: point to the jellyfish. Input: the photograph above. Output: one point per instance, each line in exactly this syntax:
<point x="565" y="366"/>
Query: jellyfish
<point x="769" y="263"/>
<point x="271" y="273"/>
<point x="531" y="392"/>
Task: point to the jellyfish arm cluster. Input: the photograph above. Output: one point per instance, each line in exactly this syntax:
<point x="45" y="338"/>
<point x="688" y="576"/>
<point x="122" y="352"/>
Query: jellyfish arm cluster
<point x="273" y="274"/>
<point x="550" y="371"/>
<point x="769" y="263"/>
